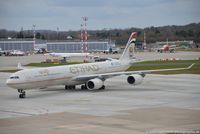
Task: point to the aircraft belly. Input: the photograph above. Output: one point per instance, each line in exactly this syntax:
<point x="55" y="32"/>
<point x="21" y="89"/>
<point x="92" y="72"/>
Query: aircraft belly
<point x="72" y="82"/>
<point x="20" y="85"/>
<point x="30" y="84"/>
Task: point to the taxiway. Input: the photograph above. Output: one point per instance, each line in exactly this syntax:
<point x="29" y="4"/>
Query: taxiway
<point x="163" y="103"/>
<point x="10" y="62"/>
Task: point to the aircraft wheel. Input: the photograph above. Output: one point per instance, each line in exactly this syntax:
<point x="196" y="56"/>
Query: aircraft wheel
<point x="22" y="93"/>
<point x="70" y="87"/>
<point x="103" y="87"/>
<point x="83" y="87"/>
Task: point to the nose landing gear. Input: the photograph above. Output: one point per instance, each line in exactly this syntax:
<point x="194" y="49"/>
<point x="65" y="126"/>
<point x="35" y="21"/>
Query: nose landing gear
<point x="22" y="93"/>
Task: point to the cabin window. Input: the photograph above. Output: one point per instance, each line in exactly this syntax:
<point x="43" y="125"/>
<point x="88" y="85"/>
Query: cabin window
<point x="14" y="77"/>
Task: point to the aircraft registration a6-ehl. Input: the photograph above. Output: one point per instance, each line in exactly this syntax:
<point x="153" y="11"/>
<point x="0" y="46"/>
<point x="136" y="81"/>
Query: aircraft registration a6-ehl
<point x="90" y="75"/>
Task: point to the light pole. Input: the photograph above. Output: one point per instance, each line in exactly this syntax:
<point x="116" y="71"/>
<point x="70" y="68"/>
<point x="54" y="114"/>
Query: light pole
<point x="57" y="33"/>
<point x="34" y="35"/>
<point x="84" y="36"/>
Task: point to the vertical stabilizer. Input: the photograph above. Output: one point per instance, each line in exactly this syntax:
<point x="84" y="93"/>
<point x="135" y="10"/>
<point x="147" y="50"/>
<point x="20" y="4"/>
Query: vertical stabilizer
<point x="128" y="53"/>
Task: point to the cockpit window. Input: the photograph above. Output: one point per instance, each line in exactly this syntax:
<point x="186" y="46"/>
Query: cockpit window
<point x="14" y="77"/>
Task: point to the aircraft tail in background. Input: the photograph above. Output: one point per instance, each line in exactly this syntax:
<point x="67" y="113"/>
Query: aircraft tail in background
<point x="128" y="53"/>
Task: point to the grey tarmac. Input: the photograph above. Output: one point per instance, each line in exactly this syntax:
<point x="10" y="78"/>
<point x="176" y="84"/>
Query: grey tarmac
<point x="161" y="104"/>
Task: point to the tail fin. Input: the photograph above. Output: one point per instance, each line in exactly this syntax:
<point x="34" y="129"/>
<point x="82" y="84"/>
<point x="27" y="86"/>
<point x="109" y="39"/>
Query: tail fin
<point x="129" y="49"/>
<point x="19" y="66"/>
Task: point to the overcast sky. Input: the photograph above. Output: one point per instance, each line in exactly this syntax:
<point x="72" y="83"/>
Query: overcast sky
<point x="67" y="14"/>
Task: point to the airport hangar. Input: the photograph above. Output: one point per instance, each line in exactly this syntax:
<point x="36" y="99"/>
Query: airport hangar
<point x="28" y="45"/>
<point x="17" y="44"/>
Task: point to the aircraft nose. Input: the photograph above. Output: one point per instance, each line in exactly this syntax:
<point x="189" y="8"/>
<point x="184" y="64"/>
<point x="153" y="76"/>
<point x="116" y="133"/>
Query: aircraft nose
<point x="8" y="82"/>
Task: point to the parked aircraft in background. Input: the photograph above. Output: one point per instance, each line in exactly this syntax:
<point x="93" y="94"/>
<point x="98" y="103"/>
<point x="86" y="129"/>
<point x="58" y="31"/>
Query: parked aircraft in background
<point x="90" y="75"/>
<point x="167" y="48"/>
<point x="40" y="51"/>
<point x="1" y="52"/>
<point x="111" y="51"/>
<point x="17" y="53"/>
<point x="68" y="55"/>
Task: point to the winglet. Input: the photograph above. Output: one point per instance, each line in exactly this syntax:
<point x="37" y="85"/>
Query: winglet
<point x="19" y="66"/>
<point x="191" y="66"/>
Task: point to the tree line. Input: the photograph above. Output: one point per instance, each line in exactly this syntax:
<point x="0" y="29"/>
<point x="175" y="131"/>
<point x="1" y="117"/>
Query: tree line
<point x="153" y="34"/>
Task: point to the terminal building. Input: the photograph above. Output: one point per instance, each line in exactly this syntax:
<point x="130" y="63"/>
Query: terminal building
<point x="17" y="44"/>
<point x="28" y="45"/>
<point x="76" y="46"/>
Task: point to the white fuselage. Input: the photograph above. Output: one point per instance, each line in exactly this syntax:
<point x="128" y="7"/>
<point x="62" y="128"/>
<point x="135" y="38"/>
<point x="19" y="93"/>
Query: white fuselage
<point x="61" y="75"/>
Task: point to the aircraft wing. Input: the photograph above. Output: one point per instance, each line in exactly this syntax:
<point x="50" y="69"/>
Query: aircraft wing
<point x="105" y="76"/>
<point x="162" y="70"/>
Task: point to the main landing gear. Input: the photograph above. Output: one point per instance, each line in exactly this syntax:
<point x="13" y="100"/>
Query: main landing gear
<point x="70" y="87"/>
<point x="67" y="87"/>
<point x="22" y="93"/>
<point x="102" y="88"/>
<point x="83" y="87"/>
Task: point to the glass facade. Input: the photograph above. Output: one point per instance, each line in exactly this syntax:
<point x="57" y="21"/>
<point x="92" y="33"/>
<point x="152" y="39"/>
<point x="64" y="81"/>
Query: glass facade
<point x="60" y="47"/>
<point x="17" y="45"/>
<point x="75" y="47"/>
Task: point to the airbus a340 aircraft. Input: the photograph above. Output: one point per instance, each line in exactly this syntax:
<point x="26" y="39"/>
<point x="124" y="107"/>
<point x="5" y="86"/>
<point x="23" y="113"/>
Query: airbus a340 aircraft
<point x="90" y="75"/>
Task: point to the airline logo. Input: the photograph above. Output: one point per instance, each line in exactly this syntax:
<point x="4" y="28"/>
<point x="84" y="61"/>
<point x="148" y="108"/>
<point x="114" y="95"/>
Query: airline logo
<point x="132" y="44"/>
<point x="83" y="69"/>
<point x="133" y="34"/>
<point x="133" y="37"/>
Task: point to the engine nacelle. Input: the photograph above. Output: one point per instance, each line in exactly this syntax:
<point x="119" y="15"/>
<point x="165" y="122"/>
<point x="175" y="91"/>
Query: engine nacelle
<point x="94" y="84"/>
<point x="135" y="79"/>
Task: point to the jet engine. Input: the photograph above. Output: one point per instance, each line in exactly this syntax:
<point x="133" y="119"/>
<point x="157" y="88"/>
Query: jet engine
<point x="135" y="79"/>
<point x="94" y="84"/>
